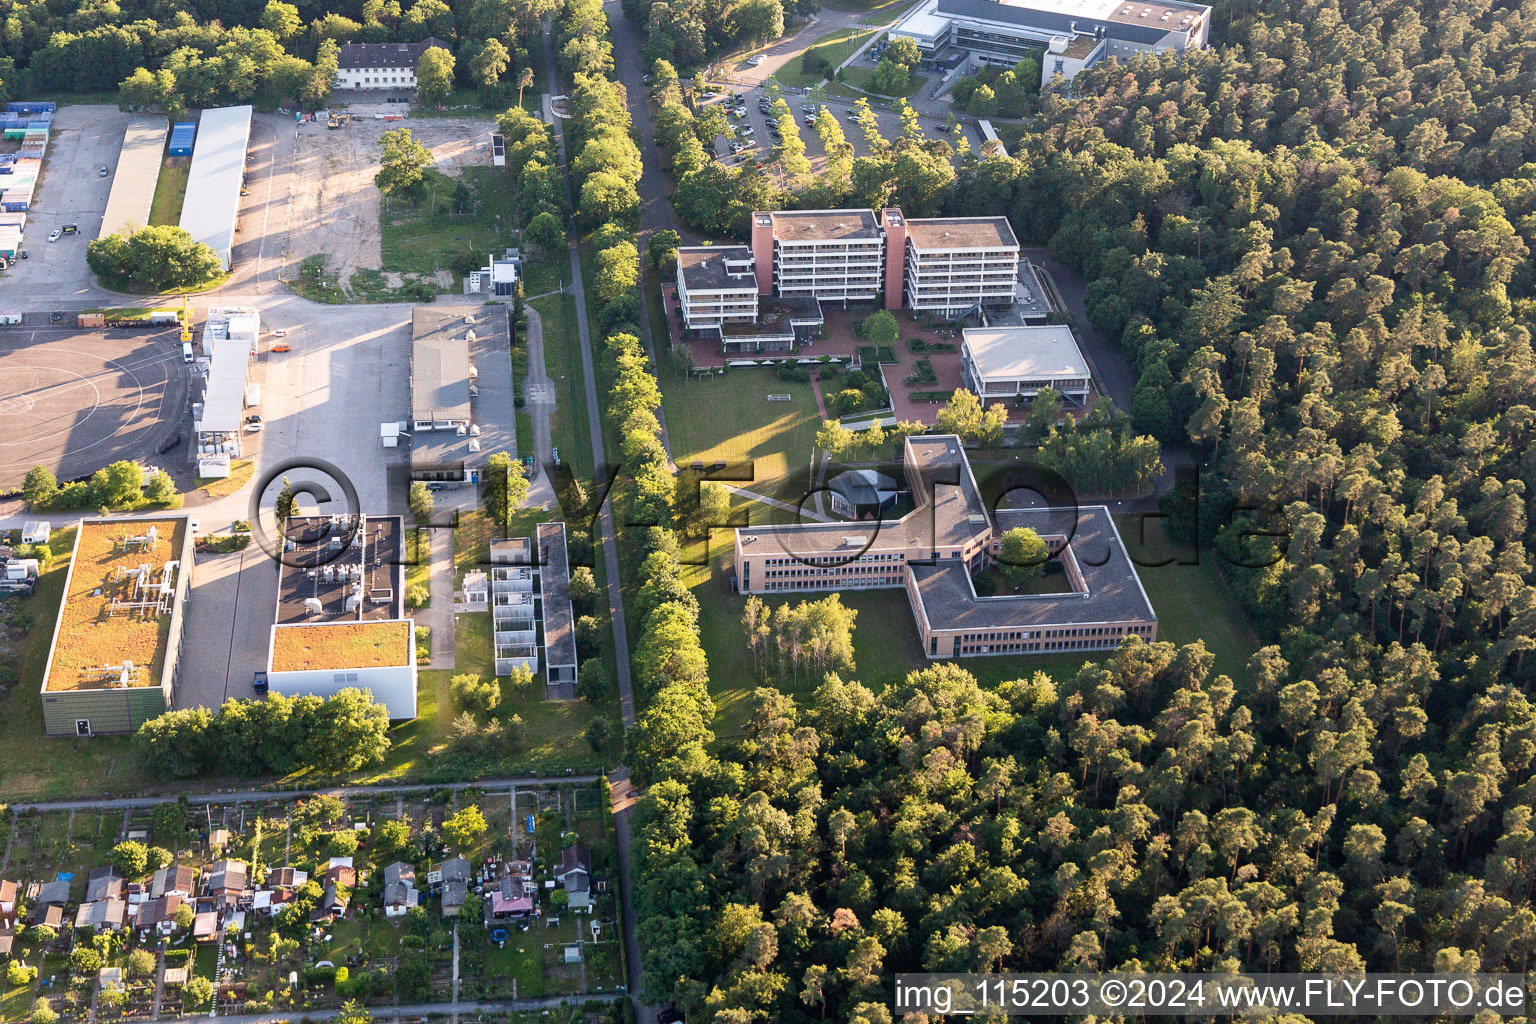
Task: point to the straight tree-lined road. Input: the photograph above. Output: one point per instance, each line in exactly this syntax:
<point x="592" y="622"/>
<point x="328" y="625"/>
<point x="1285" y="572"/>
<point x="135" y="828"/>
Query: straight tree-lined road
<point x="643" y="1013"/>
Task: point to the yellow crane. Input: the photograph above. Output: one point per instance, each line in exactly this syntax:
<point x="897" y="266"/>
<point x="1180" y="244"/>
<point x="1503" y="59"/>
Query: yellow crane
<point x="186" y="321"/>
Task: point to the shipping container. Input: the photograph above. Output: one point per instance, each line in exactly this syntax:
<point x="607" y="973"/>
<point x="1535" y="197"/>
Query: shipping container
<point x="10" y="317"/>
<point x="163" y="317"/>
<point x="91" y="320"/>
<point x="32" y="108"/>
<point x="183" y="135"/>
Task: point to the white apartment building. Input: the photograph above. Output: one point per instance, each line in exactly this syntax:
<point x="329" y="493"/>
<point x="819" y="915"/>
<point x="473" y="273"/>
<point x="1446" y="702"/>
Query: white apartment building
<point x="716" y="285"/>
<point x="382" y="65"/>
<point x="956" y="263"/>
<point x="830" y="255"/>
<point x="1005" y="363"/>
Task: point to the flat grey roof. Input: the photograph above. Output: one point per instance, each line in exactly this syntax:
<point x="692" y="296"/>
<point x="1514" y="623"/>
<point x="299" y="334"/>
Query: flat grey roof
<point x="950" y="511"/>
<point x="1021" y="353"/>
<point x="823" y="225"/>
<point x="704" y="268"/>
<point x="962" y="233"/>
<point x="440" y="362"/>
<point x="777" y="317"/>
<point x="492" y="411"/>
<point x="213" y="185"/>
<point x="1077" y="17"/>
<point x="138" y="170"/>
<point x="229" y="336"/>
<point x="555" y="587"/>
<point x="375" y="545"/>
<point x="1113" y="591"/>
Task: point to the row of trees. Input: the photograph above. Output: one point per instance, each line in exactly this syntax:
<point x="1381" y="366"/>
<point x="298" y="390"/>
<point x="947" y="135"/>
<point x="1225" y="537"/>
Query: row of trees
<point x="688" y="32"/>
<point x="121" y="486"/>
<point x="275" y="736"/>
<point x="534" y="167"/>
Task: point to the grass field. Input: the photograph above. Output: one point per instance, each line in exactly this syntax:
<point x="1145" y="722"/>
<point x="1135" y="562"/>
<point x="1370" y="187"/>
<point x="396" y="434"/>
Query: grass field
<point x="240" y="473"/>
<point x="1191" y="601"/>
<point x="170" y="192"/>
<point x="835" y="47"/>
<point x="562" y="362"/>
<point x="442" y="232"/>
<point x="858" y="76"/>
<point x="731" y="418"/>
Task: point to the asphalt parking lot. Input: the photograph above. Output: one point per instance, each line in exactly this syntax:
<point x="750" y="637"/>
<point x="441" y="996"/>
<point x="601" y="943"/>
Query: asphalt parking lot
<point x="77" y="400"/>
<point x="760" y="143"/>
<point x="70" y="191"/>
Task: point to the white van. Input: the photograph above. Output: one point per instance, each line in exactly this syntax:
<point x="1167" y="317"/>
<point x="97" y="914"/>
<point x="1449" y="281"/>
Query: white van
<point x="186" y="351"/>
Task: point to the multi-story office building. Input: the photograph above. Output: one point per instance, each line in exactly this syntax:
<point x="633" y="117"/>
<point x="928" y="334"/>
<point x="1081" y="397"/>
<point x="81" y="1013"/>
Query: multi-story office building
<point x="767" y="297"/>
<point x="1005" y="363"/>
<point x="934" y="551"/>
<point x="716" y="284"/>
<point x="829" y="255"/>
<point x="954" y="264"/>
<point x="1067" y="35"/>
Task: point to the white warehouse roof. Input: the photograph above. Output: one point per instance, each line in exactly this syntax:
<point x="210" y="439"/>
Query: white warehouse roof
<point x="138" y="170"/>
<point x="213" y="186"/>
<point x="229" y="337"/>
<point x="1024" y="353"/>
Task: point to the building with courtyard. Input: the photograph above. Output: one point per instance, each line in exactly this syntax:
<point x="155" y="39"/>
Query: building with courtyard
<point x="115" y="654"/>
<point x="941" y="549"/>
<point x="1013" y="364"/>
<point x="340" y="618"/>
<point x="1067" y="36"/>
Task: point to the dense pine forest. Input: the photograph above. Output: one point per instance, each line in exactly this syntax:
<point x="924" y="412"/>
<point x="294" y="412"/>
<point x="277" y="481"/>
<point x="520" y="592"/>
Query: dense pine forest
<point x="1314" y="243"/>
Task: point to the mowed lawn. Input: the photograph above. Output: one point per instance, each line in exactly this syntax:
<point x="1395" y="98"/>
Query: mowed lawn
<point x="834" y="47"/>
<point x="731" y="418"/>
<point x="170" y="193"/>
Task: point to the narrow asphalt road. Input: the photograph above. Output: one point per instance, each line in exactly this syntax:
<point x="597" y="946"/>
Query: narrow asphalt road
<point x="643" y="1013"/>
<point x="259" y="795"/>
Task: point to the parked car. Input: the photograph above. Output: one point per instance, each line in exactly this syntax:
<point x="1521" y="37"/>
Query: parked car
<point x="810" y="120"/>
<point x="22" y="254"/>
<point x="57" y="317"/>
<point x="171" y="443"/>
<point x="744" y="129"/>
<point x="104" y="171"/>
<point x="281" y="346"/>
<point x="808" y="108"/>
<point x="755" y="60"/>
<point x="259" y="684"/>
<point x="53" y="236"/>
<point x="281" y="333"/>
<point x="737" y="147"/>
<point x="253" y="423"/>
